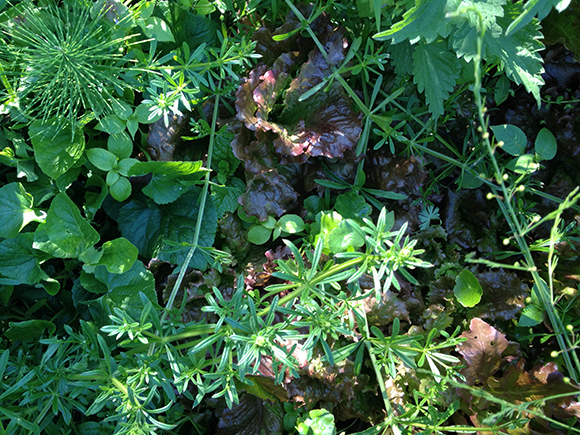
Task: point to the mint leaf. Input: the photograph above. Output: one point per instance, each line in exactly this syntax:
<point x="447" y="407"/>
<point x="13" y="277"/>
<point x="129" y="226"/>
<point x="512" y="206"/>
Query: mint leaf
<point x="102" y="159"/>
<point x="426" y="20"/>
<point x="435" y="72"/>
<point x="120" y="145"/>
<point x="19" y="261"/>
<point x="56" y="149"/>
<point x="16" y="211"/>
<point x="139" y="222"/>
<point x="66" y="228"/>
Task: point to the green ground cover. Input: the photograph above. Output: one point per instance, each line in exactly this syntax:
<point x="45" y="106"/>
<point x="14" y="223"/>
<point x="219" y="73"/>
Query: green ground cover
<point x="285" y="217"/>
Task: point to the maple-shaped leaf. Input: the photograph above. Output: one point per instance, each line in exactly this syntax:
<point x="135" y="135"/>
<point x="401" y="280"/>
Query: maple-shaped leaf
<point x="482" y="351"/>
<point x="435" y="72"/>
<point x="426" y="20"/>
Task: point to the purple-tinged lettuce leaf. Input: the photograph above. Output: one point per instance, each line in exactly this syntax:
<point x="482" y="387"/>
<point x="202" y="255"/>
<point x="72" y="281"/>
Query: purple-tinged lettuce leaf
<point x="268" y="193"/>
<point x="482" y="351"/>
<point x="252" y="416"/>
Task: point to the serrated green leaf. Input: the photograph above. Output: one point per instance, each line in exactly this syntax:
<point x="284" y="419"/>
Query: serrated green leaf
<point x="513" y="138"/>
<point x="226" y="197"/>
<point x="352" y="206"/>
<point x="467" y="289"/>
<point x="347" y="235"/>
<point x="55" y="148"/>
<point x="124" y="288"/>
<point x="19" y="261"/>
<point x="532" y="9"/>
<point x="517" y="54"/>
<point x="426" y="20"/>
<point x="318" y="422"/>
<point x="66" y="228"/>
<point x="102" y="159"/>
<point x="16" y="211"/>
<point x="545" y="145"/>
<point x="435" y="71"/>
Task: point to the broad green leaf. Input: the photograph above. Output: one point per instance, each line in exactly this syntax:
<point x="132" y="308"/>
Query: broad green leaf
<point x="124" y="288"/>
<point x="118" y="255"/>
<point x="111" y="124"/>
<point x="16" y="210"/>
<point x="102" y="159"/>
<point x="291" y="223"/>
<point x="173" y="169"/>
<point x="524" y="164"/>
<point x="545" y="145"/>
<point x="513" y="138"/>
<point x="29" y="330"/>
<point x="120" y="145"/>
<point x="467" y="289"/>
<point x="435" y="72"/>
<point x="426" y="20"/>
<point x="143" y="112"/>
<point x="140" y="223"/>
<point x="20" y="261"/>
<point x="167" y="231"/>
<point x="157" y="29"/>
<point x="120" y="189"/>
<point x="258" y="234"/>
<point x="66" y="228"/>
<point x="56" y="150"/>
<point x="352" y="206"/>
<point x="164" y="189"/>
<point x="348" y="235"/>
<point x="178" y="228"/>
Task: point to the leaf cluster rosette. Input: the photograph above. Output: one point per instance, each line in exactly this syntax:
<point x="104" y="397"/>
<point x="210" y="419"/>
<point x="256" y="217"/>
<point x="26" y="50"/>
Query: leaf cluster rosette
<point x="285" y="123"/>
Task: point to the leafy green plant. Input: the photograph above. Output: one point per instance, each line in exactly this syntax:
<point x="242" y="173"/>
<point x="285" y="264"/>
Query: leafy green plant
<point x="288" y="224"/>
